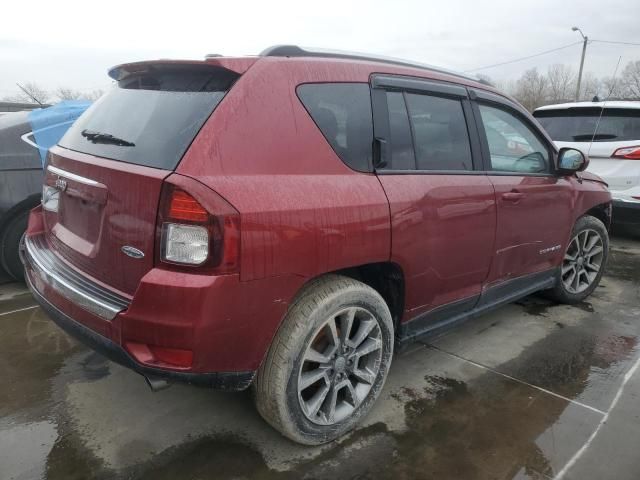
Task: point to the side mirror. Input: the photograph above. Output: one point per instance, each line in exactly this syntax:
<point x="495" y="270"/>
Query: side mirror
<point x="571" y="160"/>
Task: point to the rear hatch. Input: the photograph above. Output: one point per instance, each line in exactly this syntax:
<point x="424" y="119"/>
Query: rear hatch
<point x="611" y="129"/>
<point x="103" y="181"/>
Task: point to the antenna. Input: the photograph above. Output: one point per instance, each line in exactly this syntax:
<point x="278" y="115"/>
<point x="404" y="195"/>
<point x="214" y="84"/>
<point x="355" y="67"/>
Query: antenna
<point x="613" y="86"/>
<point x="29" y="95"/>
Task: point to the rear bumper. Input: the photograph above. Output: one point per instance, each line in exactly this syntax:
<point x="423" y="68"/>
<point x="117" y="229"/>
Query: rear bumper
<point x="46" y="277"/>
<point x="114" y="352"/>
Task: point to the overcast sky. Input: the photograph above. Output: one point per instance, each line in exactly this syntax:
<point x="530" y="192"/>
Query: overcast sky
<point x="72" y="44"/>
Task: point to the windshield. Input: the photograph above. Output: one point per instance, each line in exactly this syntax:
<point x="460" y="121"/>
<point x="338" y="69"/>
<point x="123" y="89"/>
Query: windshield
<point x="579" y="124"/>
<point x="150" y="118"/>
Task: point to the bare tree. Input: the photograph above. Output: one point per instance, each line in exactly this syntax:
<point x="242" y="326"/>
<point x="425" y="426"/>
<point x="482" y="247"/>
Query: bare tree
<point x="65" y="93"/>
<point x="630" y="80"/>
<point x="486" y="79"/>
<point x="591" y="87"/>
<point x="94" y="94"/>
<point x="531" y="89"/>
<point x="611" y="88"/>
<point x="561" y="83"/>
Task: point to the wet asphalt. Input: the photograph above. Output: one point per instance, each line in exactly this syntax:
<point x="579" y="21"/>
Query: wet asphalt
<point x="532" y="390"/>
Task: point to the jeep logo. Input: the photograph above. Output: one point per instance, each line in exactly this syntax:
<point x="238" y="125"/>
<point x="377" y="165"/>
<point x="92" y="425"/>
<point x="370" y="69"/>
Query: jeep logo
<point x="61" y="184"/>
<point x="132" y="252"/>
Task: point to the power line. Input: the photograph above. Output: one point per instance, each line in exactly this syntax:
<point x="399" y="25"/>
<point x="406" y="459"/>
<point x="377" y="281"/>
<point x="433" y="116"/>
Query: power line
<point x="617" y="43"/>
<point x="524" y="58"/>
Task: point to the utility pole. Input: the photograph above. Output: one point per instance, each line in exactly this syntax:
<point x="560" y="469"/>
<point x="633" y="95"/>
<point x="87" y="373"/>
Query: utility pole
<point x="584" y="51"/>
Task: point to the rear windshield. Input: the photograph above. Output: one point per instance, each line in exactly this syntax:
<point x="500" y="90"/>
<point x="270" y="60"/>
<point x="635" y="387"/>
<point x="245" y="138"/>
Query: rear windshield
<point x="150" y="118"/>
<point x="579" y="124"/>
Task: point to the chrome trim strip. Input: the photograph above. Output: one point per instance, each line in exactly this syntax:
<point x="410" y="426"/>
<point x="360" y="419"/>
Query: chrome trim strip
<point x="69" y="283"/>
<point x="72" y="176"/>
<point x="27" y="141"/>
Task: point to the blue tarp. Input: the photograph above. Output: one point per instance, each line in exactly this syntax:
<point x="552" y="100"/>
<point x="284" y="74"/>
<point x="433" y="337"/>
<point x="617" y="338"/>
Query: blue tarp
<point x="50" y="124"/>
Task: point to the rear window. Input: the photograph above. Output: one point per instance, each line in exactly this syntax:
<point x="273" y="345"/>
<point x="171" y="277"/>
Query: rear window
<point x="150" y="118"/>
<point x="342" y="111"/>
<point x="579" y="124"/>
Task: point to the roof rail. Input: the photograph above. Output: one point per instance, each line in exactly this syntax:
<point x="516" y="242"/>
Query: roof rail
<point x="296" y="51"/>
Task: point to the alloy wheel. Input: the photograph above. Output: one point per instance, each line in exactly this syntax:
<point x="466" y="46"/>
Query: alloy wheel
<point x="582" y="261"/>
<point x="340" y="366"/>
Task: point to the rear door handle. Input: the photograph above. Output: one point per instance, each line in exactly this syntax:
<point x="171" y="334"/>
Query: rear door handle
<point x="512" y="196"/>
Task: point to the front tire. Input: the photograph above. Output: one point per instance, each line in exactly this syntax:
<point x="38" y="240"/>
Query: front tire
<point x="584" y="261"/>
<point x="327" y="363"/>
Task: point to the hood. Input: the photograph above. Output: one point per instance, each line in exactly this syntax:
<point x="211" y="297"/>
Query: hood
<point x="592" y="177"/>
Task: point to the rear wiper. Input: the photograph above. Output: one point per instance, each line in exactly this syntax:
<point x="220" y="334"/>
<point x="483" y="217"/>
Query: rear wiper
<point x="597" y="136"/>
<point x="99" y="137"/>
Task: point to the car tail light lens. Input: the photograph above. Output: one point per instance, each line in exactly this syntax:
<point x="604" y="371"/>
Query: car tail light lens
<point x="191" y="235"/>
<point x="184" y="207"/>
<point x="188" y="244"/>
<point x="50" y="198"/>
<point x="630" y="153"/>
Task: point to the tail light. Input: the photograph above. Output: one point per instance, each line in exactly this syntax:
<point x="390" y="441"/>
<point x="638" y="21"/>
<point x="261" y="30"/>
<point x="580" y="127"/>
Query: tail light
<point x="630" y="153"/>
<point x="195" y="238"/>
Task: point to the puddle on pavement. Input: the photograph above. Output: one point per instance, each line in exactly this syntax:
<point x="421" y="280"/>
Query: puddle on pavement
<point x="486" y="428"/>
<point x="70" y="459"/>
<point x="33" y="349"/>
<point x="11" y="303"/>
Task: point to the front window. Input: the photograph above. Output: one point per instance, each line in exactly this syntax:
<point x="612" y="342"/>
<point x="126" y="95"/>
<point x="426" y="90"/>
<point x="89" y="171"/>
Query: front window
<point x="513" y="147"/>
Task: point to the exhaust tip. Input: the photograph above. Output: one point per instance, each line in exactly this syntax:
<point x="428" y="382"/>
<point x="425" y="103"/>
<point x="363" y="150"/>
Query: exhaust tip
<point x="156" y="384"/>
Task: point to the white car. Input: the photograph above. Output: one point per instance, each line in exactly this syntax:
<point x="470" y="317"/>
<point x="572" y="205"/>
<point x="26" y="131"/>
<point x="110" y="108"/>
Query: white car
<point x="615" y="151"/>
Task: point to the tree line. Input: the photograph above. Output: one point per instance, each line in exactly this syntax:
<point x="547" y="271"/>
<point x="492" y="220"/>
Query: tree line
<point x="32" y="92"/>
<point x="558" y="85"/>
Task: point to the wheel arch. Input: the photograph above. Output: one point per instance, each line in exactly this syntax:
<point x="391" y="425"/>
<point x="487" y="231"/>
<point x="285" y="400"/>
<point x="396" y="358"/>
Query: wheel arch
<point x="22" y="206"/>
<point x="386" y="278"/>
<point x="602" y="212"/>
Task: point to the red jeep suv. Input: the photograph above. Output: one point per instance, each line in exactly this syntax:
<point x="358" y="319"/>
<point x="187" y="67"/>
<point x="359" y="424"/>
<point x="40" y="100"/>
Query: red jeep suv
<point x="284" y="221"/>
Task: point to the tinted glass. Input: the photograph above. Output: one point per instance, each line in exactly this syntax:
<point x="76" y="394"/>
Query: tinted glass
<point x="156" y="115"/>
<point x="512" y="144"/>
<point x="402" y="156"/>
<point x="579" y="124"/>
<point x="440" y="133"/>
<point x="342" y="111"/>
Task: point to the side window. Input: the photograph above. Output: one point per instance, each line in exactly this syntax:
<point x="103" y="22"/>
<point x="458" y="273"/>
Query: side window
<point x="440" y="136"/>
<point x="513" y="146"/>
<point x="342" y="111"/>
<point x="402" y="156"/>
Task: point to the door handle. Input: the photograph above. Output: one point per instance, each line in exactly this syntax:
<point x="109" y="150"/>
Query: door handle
<point x="512" y="196"/>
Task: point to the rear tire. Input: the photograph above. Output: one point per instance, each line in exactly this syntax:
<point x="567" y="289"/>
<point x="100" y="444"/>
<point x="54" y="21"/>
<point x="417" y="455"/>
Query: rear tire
<point x="10" y="243"/>
<point x="584" y="261"/>
<point x="339" y="332"/>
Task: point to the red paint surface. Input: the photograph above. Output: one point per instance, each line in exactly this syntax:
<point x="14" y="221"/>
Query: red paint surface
<point x="303" y="213"/>
<point x="443" y="236"/>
